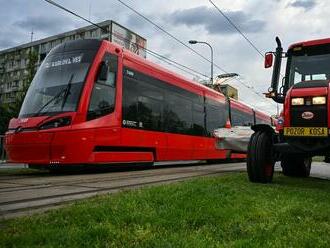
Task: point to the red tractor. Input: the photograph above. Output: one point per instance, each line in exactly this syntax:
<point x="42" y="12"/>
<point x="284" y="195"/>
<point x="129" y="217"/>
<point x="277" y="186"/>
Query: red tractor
<point x="303" y="128"/>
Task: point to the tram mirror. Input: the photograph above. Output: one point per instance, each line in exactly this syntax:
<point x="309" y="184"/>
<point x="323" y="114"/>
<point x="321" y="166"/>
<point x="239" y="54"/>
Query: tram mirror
<point x="103" y="71"/>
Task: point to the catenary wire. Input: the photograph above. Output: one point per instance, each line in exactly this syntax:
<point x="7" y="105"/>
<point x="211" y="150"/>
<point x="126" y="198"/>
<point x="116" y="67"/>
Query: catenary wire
<point x="249" y="87"/>
<point x="152" y="53"/>
<point x="168" y="33"/>
<point x="237" y="28"/>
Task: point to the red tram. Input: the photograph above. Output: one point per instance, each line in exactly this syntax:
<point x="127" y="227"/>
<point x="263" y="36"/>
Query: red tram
<point x="92" y="102"/>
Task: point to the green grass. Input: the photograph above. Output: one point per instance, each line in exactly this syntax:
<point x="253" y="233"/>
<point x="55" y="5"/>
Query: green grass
<point x="21" y="171"/>
<point x="318" y="158"/>
<point x="225" y="211"/>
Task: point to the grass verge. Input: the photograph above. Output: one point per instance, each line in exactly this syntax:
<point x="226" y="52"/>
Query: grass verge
<point x="318" y="159"/>
<point x="20" y="171"/>
<point x="225" y="211"/>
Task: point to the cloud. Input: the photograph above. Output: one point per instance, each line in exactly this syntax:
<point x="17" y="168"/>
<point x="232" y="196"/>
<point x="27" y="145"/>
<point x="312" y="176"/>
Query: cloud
<point x="137" y="23"/>
<point x="5" y="43"/>
<point x="186" y="19"/>
<point x="6" y="37"/>
<point x="45" y="24"/>
<point x="18" y="30"/>
<point x="213" y="22"/>
<point x="305" y="4"/>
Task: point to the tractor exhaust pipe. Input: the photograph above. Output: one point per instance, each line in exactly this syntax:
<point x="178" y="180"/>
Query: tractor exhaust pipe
<point x="277" y="70"/>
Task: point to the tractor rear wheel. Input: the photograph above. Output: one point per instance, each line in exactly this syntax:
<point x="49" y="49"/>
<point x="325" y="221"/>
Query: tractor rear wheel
<point x="260" y="163"/>
<point x="295" y="166"/>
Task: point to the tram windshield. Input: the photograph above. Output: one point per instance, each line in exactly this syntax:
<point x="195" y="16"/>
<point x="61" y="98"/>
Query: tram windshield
<point x="58" y="84"/>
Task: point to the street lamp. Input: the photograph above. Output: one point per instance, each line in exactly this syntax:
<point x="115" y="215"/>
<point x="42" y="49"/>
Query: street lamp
<point x="227" y="76"/>
<point x="203" y="42"/>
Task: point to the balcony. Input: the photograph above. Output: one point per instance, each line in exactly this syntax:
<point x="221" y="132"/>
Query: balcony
<point x="9" y="100"/>
<point x="14" y="88"/>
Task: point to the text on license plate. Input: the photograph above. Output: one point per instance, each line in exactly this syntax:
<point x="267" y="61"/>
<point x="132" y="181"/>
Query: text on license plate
<point x="306" y="131"/>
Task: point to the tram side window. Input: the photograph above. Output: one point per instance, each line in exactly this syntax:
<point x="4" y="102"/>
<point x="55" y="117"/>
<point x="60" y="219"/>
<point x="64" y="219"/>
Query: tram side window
<point x="178" y="114"/>
<point x="152" y="104"/>
<point x="103" y="95"/>
<point x="198" y="119"/>
<point x="142" y="103"/>
<point x="261" y="121"/>
<point x="239" y="118"/>
<point x="216" y="115"/>
<point x="130" y="102"/>
<point x="150" y="107"/>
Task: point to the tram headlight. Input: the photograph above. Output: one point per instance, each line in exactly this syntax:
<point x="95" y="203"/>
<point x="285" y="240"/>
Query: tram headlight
<point x="318" y="100"/>
<point x="297" y="101"/>
<point x="59" y="122"/>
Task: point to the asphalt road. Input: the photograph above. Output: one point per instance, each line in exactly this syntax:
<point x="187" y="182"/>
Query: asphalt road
<point x="26" y="193"/>
<point x="320" y="170"/>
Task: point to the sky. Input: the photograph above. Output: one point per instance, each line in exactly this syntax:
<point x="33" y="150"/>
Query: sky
<point x="261" y="21"/>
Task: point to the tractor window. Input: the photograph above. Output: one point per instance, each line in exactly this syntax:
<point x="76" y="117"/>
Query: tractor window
<point x="308" y="68"/>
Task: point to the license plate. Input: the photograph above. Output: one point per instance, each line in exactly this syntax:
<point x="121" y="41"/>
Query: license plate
<point x="306" y="131"/>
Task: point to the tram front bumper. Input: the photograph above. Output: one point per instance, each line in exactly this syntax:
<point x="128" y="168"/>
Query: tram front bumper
<point x="28" y="147"/>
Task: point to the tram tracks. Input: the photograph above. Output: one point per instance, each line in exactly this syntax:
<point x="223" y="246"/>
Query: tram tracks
<point x="38" y="197"/>
<point x="52" y="181"/>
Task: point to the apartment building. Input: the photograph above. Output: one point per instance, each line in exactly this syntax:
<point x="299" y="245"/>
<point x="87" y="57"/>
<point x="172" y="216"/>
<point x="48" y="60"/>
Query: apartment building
<point x="14" y="61"/>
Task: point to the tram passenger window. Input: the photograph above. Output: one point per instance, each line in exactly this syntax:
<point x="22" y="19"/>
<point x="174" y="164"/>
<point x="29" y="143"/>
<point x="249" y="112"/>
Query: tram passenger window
<point x="178" y="114"/>
<point x="236" y="119"/>
<point x="261" y="121"/>
<point x="111" y="80"/>
<point x="102" y="100"/>
<point x="198" y="119"/>
<point x="130" y="102"/>
<point x="149" y="113"/>
<point x="152" y="104"/>
<point x="216" y="115"/>
<point x="142" y="103"/>
<point x="240" y="118"/>
<point x="212" y="121"/>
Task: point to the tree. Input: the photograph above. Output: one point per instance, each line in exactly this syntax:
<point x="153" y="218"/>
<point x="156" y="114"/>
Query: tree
<point x="31" y="69"/>
<point x="5" y="116"/>
<point x="10" y="111"/>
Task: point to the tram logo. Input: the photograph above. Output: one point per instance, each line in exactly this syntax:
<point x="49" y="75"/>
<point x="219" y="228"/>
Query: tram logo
<point x="307" y="115"/>
<point x="130" y="123"/>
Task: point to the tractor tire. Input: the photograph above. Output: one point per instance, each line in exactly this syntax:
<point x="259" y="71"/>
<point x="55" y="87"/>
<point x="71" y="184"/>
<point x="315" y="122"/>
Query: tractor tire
<point x="295" y="166"/>
<point x="260" y="163"/>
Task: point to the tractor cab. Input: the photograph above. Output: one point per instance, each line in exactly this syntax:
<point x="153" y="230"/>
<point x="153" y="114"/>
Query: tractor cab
<point x="303" y="128"/>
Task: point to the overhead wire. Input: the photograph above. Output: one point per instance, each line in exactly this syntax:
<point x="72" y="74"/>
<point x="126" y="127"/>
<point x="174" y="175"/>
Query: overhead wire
<point x="168" y="33"/>
<point x="152" y="53"/>
<point x="175" y="64"/>
<point x="249" y="87"/>
<point x="169" y="61"/>
<point x="244" y="36"/>
<point x="237" y="29"/>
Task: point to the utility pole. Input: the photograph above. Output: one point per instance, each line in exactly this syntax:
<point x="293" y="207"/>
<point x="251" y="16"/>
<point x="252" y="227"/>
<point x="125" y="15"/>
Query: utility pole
<point x="32" y="35"/>
<point x="89" y="11"/>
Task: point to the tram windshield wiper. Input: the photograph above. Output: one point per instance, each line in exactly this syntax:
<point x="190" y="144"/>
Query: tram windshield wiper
<point x="62" y="93"/>
<point x="67" y="92"/>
